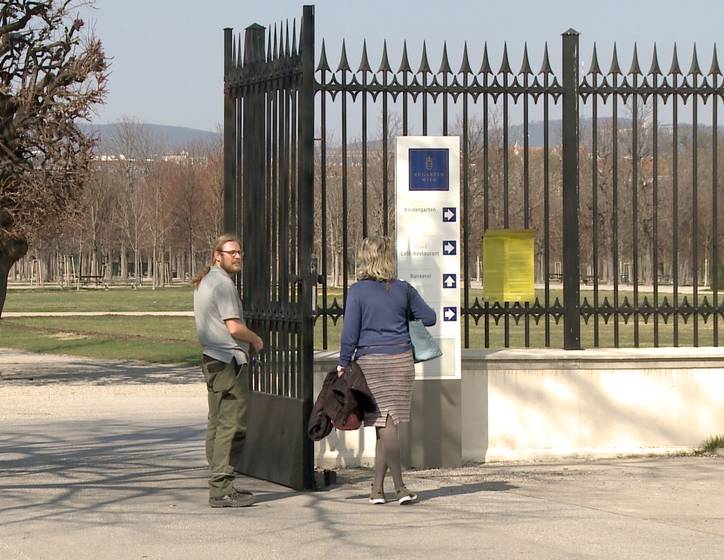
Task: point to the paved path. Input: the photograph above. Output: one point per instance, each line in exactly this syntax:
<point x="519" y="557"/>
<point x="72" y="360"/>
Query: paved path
<point x="105" y="461"/>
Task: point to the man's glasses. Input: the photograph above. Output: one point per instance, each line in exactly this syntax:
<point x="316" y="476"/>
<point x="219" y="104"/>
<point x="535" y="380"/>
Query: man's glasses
<point x="232" y="253"/>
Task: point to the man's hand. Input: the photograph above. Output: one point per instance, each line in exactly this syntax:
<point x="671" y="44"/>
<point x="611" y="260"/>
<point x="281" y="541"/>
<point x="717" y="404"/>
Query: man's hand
<point x="340" y="371"/>
<point x="241" y="332"/>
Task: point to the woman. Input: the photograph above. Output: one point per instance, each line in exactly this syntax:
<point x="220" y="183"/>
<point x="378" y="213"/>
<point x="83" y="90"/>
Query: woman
<point x="375" y="332"/>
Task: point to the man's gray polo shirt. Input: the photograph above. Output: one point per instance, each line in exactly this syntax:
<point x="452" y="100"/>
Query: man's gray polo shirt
<point x="215" y="300"/>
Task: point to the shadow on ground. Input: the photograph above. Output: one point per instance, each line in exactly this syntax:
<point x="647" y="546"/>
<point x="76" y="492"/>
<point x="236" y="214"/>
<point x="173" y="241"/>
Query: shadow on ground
<point x="90" y="372"/>
<point x="44" y="475"/>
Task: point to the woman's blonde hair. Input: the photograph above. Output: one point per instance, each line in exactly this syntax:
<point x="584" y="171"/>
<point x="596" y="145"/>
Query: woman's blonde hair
<point x="218" y="246"/>
<point x="376" y="259"/>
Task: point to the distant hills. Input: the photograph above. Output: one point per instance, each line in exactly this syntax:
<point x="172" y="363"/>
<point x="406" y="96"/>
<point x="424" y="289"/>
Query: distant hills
<point x="167" y="138"/>
<point x="172" y="139"/>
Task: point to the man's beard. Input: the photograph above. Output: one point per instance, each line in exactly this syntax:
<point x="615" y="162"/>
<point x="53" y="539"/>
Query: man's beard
<point x="230" y="270"/>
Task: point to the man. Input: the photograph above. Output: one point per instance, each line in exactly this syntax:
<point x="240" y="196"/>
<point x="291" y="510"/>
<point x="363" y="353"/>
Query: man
<point x="226" y="343"/>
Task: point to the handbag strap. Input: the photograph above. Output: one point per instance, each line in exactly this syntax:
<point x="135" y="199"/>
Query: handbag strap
<point x="408" y="310"/>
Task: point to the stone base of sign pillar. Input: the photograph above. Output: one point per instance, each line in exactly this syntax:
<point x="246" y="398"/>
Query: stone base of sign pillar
<point x="433" y="438"/>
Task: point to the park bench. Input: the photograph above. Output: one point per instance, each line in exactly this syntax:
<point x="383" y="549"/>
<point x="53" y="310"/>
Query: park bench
<point x="96" y="279"/>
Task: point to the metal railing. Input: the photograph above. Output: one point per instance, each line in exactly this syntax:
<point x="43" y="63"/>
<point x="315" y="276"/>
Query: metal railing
<point x="615" y="170"/>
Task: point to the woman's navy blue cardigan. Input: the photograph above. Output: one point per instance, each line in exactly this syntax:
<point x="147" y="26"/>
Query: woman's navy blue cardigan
<point x="375" y="318"/>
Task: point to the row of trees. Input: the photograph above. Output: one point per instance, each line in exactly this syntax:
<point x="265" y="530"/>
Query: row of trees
<point x="51" y="76"/>
<point x="79" y="213"/>
<point x="139" y="212"/>
<point x="635" y="226"/>
<point x="145" y="214"/>
<point x="142" y="215"/>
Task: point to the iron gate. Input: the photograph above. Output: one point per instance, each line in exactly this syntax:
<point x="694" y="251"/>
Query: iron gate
<point x="268" y="202"/>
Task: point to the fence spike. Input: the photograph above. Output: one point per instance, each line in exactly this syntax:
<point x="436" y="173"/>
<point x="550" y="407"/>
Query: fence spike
<point x="234" y="59"/>
<point x="615" y="67"/>
<point x="505" y="65"/>
<point x="485" y="66"/>
<point x="405" y="62"/>
<point x="269" y="45"/>
<point x="635" y="67"/>
<point x="294" y="37"/>
<point x="364" y="65"/>
<point x="655" y="68"/>
<point x="277" y="43"/>
<point x="525" y="66"/>
<point x="286" y="39"/>
<point x="545" y="67"/>
<point x="675" y="68"/>
<point x="465" y="66"/>
<point x="300" y="47"/>
<point x="445" y="63"/>
<point x="424" y="64"/>
<point x="343" y="64"/>
<point x="714" y="70"/>
<point x="323" y="64"/>
<point x="695" y="69"/>
<point x="595" y="67"/>
<point x="385" y="62"/>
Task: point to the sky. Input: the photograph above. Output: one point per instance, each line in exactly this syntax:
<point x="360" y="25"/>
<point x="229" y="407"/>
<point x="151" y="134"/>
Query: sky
<point x="167" y="55"/>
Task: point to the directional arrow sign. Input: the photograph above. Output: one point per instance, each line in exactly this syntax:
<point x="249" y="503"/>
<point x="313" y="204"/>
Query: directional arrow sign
<point x="450" y="313"/>
<point x="450" y="247"/>
<point x="449" y="281"/>
<point x="428" y="217"/>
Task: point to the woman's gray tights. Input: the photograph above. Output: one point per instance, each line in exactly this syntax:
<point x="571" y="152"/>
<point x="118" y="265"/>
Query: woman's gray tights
<point x="387" y="455"/>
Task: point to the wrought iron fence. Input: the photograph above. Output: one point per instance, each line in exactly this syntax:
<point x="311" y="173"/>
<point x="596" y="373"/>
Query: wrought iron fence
<point x="616" y="171"/>
<point x="268" y="193"/>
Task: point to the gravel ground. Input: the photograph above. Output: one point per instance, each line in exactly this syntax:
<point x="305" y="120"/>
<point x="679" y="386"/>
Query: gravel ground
<point x="105" y="460"/>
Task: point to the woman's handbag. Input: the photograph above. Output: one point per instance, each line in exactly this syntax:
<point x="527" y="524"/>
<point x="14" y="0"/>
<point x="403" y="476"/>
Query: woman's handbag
<point x="424" y="347"/>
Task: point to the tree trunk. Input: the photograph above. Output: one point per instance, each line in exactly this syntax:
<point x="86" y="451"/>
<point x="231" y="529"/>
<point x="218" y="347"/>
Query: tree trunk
<point x="124" y="263"/>
<point x="11" y="250"/>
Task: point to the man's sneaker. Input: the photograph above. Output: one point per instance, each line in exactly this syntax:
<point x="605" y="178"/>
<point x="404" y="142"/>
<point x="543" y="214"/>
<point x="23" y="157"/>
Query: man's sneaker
<point x="235" y="499"/>
<point x="377" y="496"/>
<point x="404" y="496"/>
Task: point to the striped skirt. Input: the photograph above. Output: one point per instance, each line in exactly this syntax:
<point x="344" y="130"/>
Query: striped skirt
<point x="390" y="378"/>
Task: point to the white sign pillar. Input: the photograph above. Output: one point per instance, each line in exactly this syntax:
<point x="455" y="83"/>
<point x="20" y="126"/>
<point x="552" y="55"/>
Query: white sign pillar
<point x="428" y="239"/>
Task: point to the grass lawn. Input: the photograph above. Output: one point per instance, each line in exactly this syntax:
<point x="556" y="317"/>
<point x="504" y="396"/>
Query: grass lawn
<point x="181" y="298"/>
<point x="173" y="339"/>
<point x="150" y="339"/>
<point x="115" y="299"/>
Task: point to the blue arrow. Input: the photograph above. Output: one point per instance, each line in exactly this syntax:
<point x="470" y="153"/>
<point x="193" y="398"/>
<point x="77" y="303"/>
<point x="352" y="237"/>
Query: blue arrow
<point x="450" y="314"/>
<point x="449" y="214"/>
<point x="449" y="247"/>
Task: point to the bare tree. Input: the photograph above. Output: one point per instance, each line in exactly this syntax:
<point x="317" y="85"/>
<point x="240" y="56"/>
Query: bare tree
<point x="50" y="77"/>
<point x="134" y="147"/>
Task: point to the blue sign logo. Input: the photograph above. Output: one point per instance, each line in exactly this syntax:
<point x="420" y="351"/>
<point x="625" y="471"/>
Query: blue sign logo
<point x="450" y="247"/>
<point x="449" y="281"/>
<point x="449" y="214"/>
<point x="449" y="314"/>
<point x="429" y="169"/>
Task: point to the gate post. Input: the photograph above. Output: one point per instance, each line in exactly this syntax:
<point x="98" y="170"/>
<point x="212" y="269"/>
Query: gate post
<point x="306" y="264"/>
<point x="571" y="242"/>
<point x="230" y="174"/>
<point x="252" y="157"/>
